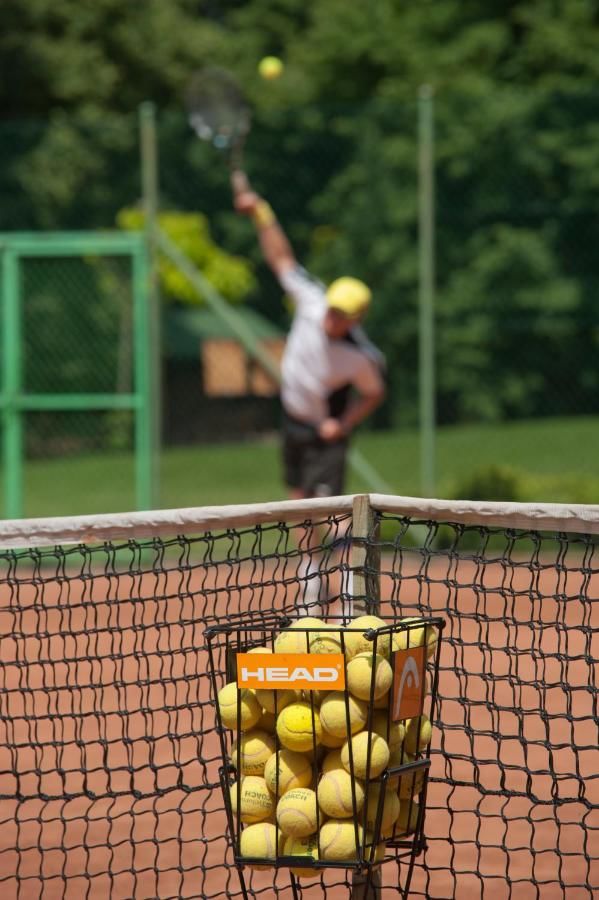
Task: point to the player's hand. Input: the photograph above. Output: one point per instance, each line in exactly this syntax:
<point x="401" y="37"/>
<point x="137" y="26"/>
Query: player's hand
<point x="240" y="183"/>
<point x="331" y="430"/>
<point x="246" y="202"/>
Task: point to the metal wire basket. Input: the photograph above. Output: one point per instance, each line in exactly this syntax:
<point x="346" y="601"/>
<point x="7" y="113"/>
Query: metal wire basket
<point x="325" y="730"/>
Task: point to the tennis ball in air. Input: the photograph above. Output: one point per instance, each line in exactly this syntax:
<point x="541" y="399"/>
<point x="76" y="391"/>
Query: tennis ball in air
<point x="389" y="812"/>
<point x="259" y="840"/>
<point x="270" y="68"/>
<point x="293" y="770"/>
<point x="337" y="791"/>
<point x="228" y="700"/>
<point x="302" y="846"/>
<point x="298" y="727"/>
<point x="297" y="813"/>
<point x="419" y="732"/>
<point x="412" y="782"/>
<point x="253" y="799"/>
<point x="366" y="672"/>
<point x="294" y="640"/>
<point x="415" y="637"/>
<point x="334" y="714"/>
<point x="355" y="642"/>
<point x="256" y="748"/>
<point x="338" y="839"/>
<point x="357" y="751"/>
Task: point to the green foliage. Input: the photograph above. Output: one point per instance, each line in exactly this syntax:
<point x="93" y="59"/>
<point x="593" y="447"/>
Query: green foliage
<point x="231" y="276"/>
<point x="490" y="482"/>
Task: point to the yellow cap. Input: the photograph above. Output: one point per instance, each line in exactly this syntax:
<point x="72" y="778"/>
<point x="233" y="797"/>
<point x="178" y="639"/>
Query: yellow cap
<point x="349" y="295"/>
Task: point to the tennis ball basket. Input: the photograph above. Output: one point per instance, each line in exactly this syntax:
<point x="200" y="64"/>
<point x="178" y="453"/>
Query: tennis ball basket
<point x="325" y="730"/>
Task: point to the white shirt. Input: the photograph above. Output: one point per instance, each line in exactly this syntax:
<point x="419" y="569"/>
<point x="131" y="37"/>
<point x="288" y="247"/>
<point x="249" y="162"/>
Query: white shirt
<point x="314" y="366"/>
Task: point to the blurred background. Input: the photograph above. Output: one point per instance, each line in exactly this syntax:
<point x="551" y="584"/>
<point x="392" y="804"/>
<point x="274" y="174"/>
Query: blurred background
<point x="509" y="114"/>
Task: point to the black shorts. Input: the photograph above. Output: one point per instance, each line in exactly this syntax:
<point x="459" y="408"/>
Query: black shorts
<point x="314" y="465"/>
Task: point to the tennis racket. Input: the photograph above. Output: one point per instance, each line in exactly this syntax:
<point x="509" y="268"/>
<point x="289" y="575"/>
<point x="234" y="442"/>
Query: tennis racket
<point x="218" y="112"/>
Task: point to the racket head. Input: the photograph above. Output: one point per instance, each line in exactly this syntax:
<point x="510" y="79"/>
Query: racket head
<point x="216" y="108"/>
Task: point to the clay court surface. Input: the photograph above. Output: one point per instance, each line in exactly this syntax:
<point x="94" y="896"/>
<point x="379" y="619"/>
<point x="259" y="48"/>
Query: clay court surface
<point x="109" y="759"/>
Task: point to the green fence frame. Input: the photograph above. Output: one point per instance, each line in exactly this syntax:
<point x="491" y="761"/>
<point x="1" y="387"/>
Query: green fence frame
<point x="14" y="402"/>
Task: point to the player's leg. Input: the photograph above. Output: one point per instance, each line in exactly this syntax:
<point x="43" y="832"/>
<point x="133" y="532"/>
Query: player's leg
<point x="324" y="476"/>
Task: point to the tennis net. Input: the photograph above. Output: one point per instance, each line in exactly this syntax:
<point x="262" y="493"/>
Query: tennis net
<point x="109" y="758"/>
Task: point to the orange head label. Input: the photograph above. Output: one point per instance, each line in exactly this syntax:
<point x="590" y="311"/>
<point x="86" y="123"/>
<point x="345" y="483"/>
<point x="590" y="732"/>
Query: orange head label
<point x="408" y="684"/>
<point x="290" y="671"/>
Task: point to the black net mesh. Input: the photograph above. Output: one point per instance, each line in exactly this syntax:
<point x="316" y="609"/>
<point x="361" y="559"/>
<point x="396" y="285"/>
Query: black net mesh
<point x="109" y="756"/>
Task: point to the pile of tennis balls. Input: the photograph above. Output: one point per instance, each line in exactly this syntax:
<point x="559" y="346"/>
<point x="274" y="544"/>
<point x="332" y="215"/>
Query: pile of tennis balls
<point x="297" y="802"/>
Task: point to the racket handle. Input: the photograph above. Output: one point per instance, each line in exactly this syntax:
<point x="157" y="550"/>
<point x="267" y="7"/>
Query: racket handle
<point x="239" y="182"/>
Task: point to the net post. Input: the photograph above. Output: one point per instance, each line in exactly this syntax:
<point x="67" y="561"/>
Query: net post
<point x="366" y="566"/>
<point x="365" y="558"/>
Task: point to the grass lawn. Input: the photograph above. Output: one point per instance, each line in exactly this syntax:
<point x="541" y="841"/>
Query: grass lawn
<point x="554" y="460"/>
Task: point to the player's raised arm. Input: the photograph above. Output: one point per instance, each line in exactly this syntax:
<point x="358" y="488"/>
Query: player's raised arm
<point x="275" y="246"/>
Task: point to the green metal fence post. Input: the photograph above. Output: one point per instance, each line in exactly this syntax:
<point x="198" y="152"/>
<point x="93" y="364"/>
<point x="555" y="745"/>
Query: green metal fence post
<point x="426" y="257"/>
<point x="12" y="431"/>
<point x="150" y="200"/>
<point x="145" y="456"/>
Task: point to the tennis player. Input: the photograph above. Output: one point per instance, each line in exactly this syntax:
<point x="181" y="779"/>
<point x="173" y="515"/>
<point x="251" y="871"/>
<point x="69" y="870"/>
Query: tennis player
<point x="332" y="375"/>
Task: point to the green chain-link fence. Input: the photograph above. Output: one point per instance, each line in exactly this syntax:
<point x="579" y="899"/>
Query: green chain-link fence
<point x="75" y="379"/>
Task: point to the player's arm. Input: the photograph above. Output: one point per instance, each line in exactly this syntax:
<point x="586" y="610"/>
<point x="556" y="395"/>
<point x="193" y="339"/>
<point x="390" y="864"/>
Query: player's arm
<point x="275" y="246"/>
<point x="360" y="407"/>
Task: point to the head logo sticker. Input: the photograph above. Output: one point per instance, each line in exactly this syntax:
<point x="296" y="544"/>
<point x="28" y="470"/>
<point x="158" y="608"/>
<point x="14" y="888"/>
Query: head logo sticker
<point x="282" y="671"/>
<point x="408" y="684"/>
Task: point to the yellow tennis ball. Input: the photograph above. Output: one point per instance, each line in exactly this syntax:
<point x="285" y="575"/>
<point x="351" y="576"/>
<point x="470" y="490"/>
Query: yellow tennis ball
<point x="334" y="712"/>
<point x="302" y="846"/>
<point x="256" y="748"/>
<point x="407" y="821"/>
<point x="355" y="642"/>
<point x="270" y="68"/>
<point x="328" y="640"/>
<point x="367" y="672"/>
<point x="357" y="750"/>
<point x="294" y="640"/>
<point x="293" y="770"/>
<point x="259" y="841"/>
<point x="331" y="741"/>
<point x="340" y="839"/>
<point x="331" y="761"/>
<point x="389" y="811"/>
<point x="393" y="732"/>
<point x="297" y="815"/>
<point x="415" y="637"/>
<point x="410" y="784"/>
<point x="274" y="701"/>
<point x="337" y="793"/>
<point x="298" y="727"/>
<point x="260" y="650"/>
<point x="228" y="700"/>
<point x="379" y="850"/>
<point x="253" y="802"/>
<point x="419" y="732"/>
